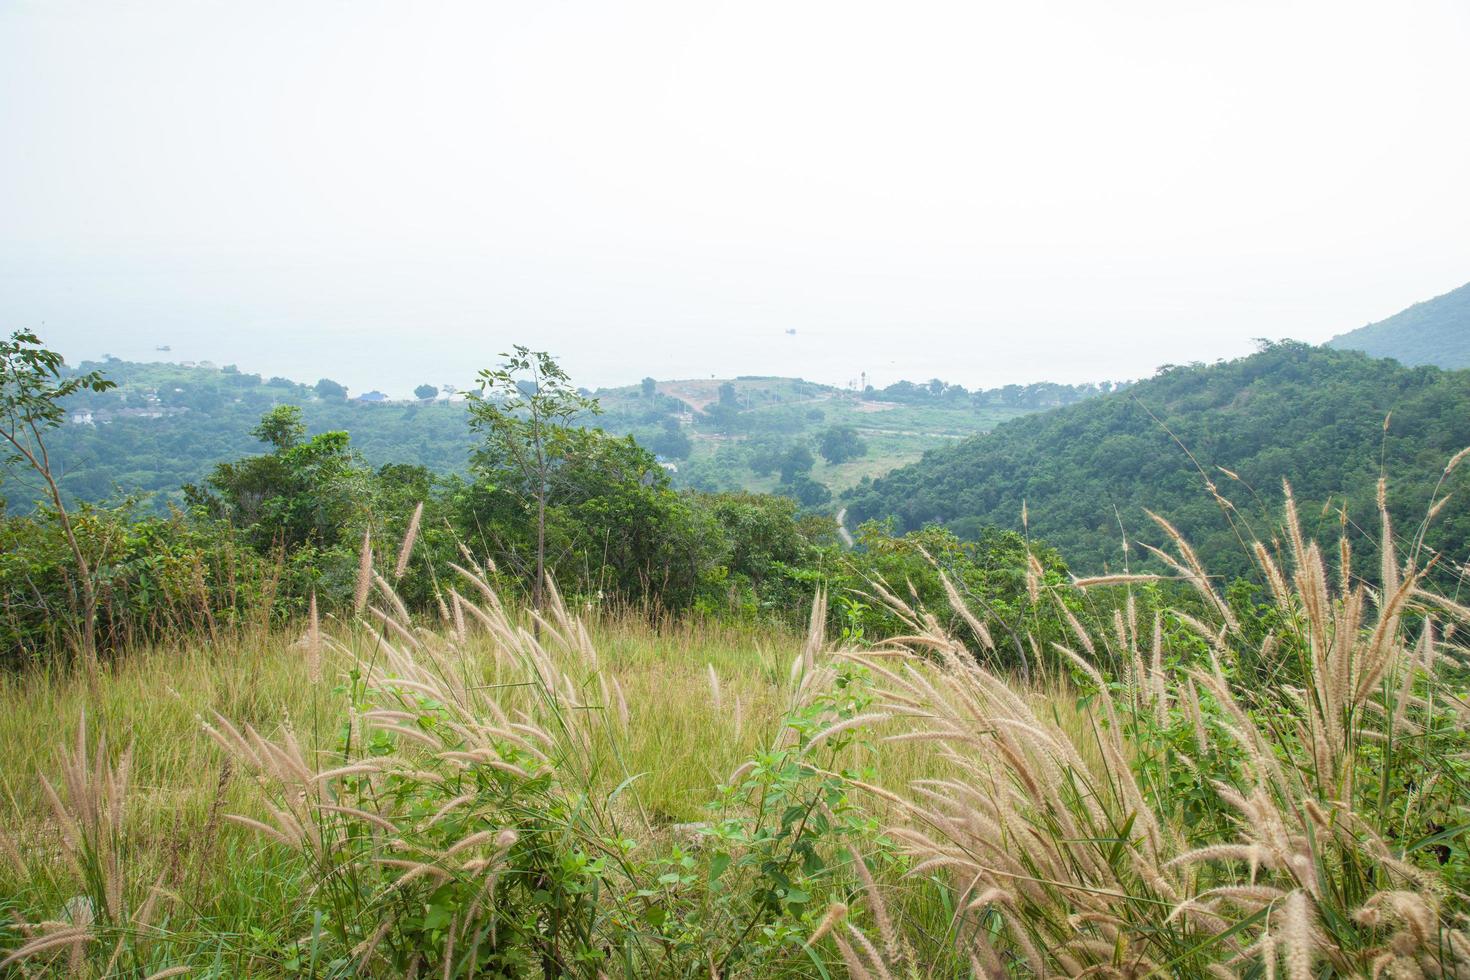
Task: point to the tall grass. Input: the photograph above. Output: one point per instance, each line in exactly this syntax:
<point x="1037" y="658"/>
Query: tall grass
<point x="1202" y="791"/>
<point x="1280" y="805"/>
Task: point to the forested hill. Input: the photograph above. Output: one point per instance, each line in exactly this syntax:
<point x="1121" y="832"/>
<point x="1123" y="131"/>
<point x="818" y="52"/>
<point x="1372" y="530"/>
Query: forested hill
<point x="1436" y="331"/>
<point x="1309" y="414"/>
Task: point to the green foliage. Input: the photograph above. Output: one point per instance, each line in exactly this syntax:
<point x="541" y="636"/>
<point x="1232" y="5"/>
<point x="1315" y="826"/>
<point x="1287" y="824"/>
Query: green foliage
<point x="167" y="425"/>
<point x="808" y="492"/>
<point x="327" y="388"/>
<point x="1309" y="415"/>
<point x="785" y="829"/>
<point x="155" y="576"/>
<point x="426" y="392"/>
<point x="796" y="461"/>
<point x="1436" y="331"/>
<point x="32" y="389"/>
<point x="841" y="443"/>
<point x="281" y="427"/>
<point x="670" y="441"/>
<point x="993" y="576"/>
<point x="613" y="526"/>
<point x="311" y="492"/>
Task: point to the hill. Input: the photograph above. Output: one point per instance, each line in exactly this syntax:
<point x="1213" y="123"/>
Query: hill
<point x="1312" y="415"/>
<point x="166" y="425"/>
<point x="1436" y="331"/>
<point x="735" y="434"/>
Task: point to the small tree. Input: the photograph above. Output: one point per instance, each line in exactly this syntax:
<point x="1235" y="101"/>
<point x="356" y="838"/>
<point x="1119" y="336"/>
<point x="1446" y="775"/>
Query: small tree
<point x="808" y="492"/>
<point x="31" y="392"/>
<point x="524" y="410"/>
<point x="327" y="388"/>
<point x="650" y="386"/>
<point x="281" y="427"/>
<point x="798" y="461"/>
<point x="841" y="443"/>
<point x="424" y="392"/>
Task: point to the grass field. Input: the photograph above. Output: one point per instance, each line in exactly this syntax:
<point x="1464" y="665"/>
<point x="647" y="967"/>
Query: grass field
<point x="1185" y="793"/>
<point x="896" y="434"/>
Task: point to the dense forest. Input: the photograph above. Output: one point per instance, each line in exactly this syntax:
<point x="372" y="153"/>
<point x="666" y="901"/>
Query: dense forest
<point x="1436" y="331"/>
<point x="1328" y="421"/>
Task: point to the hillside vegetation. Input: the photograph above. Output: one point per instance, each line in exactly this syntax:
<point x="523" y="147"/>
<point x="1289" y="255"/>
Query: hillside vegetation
<point x="264" y="536"/>
<point x="166" y="425"/>
<point x="1436" y="331"/>
<point x="1086" y="473"/>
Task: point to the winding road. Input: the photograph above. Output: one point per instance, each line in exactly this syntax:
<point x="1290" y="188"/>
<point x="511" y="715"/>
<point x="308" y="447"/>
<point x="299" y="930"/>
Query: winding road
<point x="842" y="531"/>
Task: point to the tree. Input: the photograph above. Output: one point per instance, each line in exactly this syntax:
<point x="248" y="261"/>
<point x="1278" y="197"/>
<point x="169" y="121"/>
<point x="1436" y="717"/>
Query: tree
<point x="281" y="427"/>
<point x="798" y="461"/>
<point x="672" y="442"/>
<point x="650" y="387"/>
<point x="424" y="392"/>
<point x="766" y="455"/>
<point x="728" y="397"/>
<point x="327" y="388"/>
<point x="808" y="492"/>
<point x="524" y="411"/>
<point x="306" y="491"/>
<point x="31" y="391"/>
<point x="841" y="443"/>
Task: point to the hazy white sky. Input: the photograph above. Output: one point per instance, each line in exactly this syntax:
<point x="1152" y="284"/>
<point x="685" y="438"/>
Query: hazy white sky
<point x="389" y="193"/>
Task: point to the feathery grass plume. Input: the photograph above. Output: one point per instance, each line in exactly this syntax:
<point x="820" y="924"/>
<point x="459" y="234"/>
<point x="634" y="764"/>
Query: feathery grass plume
<point x="457" y="604"/>
<point x="1297" y="943"/>
<point x="91" y="813"/>
<point x="1034" y="577"/>
<point x="836" y="912"/>
<point x="313" y="642"/>
<point x="887" y="930"/>
<point x="816" y="635"/>
<point x="62" y="936"/>
<point x="12" y="852"/>
<point x="364" y="574"/>
<point x="977" y="626"/>
<point x="1101" y="580"/>
<point x="400" y="608"/>
<point x="880" y="966"/>
<point x="409" y="537"/>
<point x="856" y="968"/>
<point x="715" y="697"/>
<point x="624" y="716"/>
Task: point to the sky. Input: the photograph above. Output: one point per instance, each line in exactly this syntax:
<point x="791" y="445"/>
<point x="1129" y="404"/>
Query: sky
<point x="986" y="192"/>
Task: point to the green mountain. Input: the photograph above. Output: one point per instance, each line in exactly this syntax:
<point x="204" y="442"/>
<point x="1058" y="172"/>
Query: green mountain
<point x="1436" y="331"/>
<point x="1312" y="415"/>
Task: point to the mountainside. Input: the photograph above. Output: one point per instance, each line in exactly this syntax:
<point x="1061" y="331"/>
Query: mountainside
<point x="1436" y="331"/>
<point x="1312" y="415"/>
